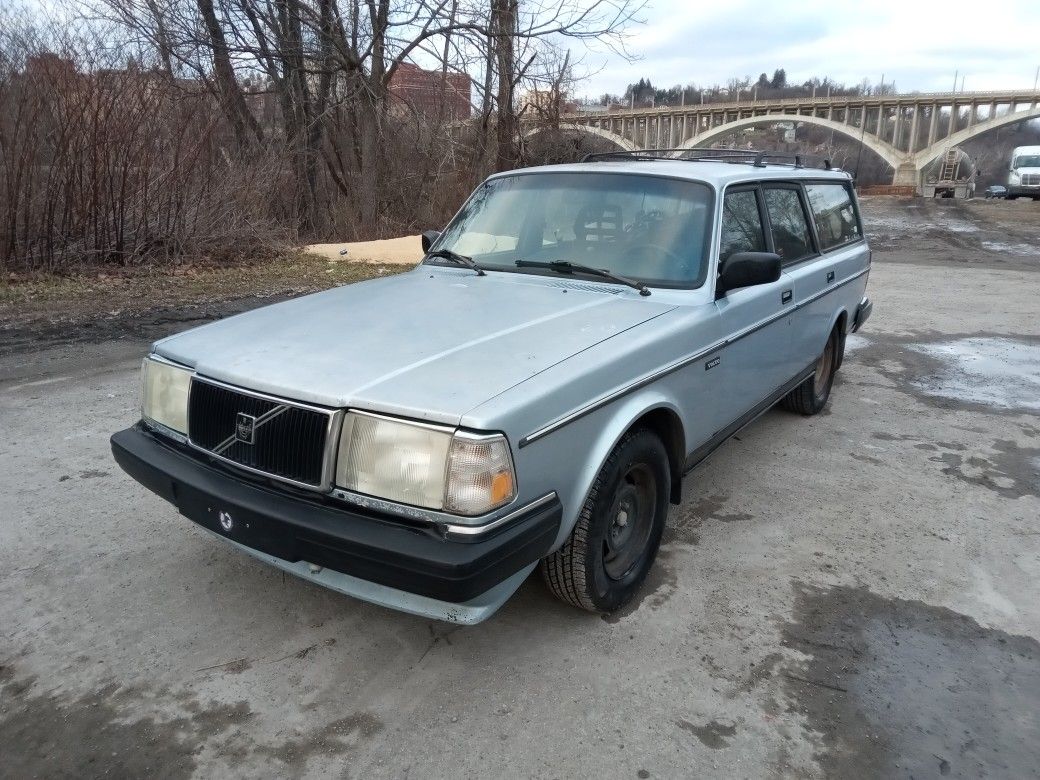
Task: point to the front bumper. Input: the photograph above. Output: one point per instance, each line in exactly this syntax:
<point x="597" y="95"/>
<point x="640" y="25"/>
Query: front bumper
<point x="374" y="555"/>
<point x="1024" y="191"/>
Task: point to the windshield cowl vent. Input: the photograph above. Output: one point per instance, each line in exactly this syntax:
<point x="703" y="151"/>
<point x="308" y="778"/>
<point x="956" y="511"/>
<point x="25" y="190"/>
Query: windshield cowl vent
<point x="600" y="288"/>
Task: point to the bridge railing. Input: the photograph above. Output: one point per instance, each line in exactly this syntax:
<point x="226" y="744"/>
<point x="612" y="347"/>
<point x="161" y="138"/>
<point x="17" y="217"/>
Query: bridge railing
<point x="909" y="98"/>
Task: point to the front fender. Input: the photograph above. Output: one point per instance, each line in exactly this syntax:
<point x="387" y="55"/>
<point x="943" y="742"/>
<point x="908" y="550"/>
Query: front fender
<point x="587" y="442"/>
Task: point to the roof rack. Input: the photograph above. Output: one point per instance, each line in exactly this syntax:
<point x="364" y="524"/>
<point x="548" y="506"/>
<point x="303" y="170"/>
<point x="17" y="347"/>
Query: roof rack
<point x="754" y="157"/>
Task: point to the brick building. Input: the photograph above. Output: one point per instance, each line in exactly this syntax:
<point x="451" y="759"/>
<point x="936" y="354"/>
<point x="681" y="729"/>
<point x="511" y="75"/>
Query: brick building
<point x="414" y="90"/>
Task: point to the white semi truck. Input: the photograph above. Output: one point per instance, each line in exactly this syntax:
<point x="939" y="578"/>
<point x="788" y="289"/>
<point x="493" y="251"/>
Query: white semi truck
<point x="1024" y="173"/>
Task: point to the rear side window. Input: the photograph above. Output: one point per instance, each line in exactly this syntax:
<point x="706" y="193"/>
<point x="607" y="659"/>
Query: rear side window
<point x="836" y="222"/>
<point x="741" y="224"/>
<point x="787" y="221"/>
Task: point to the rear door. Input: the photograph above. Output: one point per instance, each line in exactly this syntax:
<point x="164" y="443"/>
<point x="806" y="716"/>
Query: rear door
<point x="838" y="253"/>
<point x="757" y="361"/>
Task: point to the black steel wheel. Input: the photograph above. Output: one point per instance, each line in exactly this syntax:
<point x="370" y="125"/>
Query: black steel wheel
<point x="811" y="395"/>
<point x="614" y="543"/>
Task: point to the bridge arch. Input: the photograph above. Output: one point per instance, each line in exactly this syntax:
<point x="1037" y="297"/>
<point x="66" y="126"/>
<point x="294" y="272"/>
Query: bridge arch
<point x="614" y="138"/>
<point x="894" y="157"/>
<point x="930" y="154"/>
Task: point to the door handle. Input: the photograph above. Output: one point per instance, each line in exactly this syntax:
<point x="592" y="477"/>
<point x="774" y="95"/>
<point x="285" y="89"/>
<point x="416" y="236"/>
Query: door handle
<point x="786" y="296"/>
<point x="830" y="276"/>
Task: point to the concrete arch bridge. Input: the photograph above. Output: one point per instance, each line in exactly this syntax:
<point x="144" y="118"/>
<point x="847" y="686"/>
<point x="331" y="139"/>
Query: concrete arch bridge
<point x="909" y="132"/>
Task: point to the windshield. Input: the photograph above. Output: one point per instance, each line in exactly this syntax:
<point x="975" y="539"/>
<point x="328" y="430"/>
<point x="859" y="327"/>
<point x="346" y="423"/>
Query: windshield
<point x="1027" y="161"/>
<point x="643" y="227"/>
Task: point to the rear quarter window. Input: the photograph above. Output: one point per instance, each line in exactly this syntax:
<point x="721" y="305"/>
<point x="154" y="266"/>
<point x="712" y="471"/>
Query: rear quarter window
<point x="834" y="214"/>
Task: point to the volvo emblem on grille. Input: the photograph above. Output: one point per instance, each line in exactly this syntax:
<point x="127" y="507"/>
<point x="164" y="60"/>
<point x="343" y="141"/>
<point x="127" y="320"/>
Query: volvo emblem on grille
<point x="245" y="428"/>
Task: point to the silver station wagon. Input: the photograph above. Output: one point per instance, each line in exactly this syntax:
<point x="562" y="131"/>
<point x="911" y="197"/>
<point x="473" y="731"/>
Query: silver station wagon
<point x="530" y="395"/>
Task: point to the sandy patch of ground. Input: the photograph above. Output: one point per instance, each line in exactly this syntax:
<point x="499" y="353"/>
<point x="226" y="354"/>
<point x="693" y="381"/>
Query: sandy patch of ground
<point x="406" y="250"/>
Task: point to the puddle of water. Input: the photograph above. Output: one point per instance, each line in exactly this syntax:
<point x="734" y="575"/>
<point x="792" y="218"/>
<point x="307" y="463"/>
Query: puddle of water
<point x="855" y="341"/>
<point x="912" y="223"/>
<point x="1014" y="249"/>
<point x="899" y="688"/>
<point x="997" y="372"/>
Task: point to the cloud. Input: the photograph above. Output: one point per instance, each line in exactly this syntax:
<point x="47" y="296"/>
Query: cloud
<point x="917" y="44"/>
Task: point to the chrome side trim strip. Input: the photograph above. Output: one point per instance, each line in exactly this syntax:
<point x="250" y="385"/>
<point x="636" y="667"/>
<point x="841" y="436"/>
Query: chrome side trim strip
<point x="471" y="531"/>
<point x="678" y="364"/>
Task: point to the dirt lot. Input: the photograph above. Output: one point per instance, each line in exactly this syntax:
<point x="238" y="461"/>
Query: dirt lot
<point x="856" y="594"/>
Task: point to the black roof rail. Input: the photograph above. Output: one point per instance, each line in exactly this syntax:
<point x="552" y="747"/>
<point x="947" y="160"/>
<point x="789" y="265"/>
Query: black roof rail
<point x="756" y="157"/>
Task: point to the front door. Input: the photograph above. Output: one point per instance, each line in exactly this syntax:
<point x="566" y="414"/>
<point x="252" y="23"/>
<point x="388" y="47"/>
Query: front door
<point x="758" y="360"/>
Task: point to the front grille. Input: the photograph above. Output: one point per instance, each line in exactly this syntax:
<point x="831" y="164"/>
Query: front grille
<point x="1031" y="179"/>
<point x="289" y="441"/>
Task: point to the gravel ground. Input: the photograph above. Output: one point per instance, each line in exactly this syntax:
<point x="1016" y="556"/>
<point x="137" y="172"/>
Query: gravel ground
<point x="855" y="594"/>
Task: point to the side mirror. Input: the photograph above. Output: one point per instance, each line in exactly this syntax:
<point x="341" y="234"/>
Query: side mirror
<point x="429" y="238"/>
<point x="744" y="269"/>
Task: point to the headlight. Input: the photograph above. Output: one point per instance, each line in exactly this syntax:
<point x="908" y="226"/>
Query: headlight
<point x="164" y="394"/>
<point x="424" y="465"/>
<point x="1015" y="177"/>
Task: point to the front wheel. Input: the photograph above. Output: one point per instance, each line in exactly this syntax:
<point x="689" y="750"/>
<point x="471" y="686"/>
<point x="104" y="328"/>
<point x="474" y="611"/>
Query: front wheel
<point x="614" y="543"/>
<point x="811" y="395"/>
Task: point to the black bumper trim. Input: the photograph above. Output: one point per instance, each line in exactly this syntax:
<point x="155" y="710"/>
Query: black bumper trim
<point x="346" y="540"/>
<point x="862" y="314"/>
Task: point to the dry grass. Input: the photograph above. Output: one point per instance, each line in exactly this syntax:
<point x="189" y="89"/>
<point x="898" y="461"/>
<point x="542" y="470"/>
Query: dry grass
<point x="109" y="295"/>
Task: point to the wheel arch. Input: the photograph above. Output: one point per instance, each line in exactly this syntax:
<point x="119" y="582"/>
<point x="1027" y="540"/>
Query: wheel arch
<point x="650" y="408"/>
<point x="841" y="324"/>
<point x="666" y="423"/>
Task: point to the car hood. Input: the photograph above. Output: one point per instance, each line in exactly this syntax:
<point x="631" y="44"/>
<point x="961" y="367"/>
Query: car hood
<point x="1027" y="171"/>
<point x="430" y="344"/>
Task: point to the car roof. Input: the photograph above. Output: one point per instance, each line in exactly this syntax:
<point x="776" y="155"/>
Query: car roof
<point x="711" y="172"/>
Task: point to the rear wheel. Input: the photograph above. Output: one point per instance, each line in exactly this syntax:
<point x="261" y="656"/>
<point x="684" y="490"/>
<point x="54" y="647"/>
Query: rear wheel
<point x="811" y="395"/>
<point x="614" y="543"/>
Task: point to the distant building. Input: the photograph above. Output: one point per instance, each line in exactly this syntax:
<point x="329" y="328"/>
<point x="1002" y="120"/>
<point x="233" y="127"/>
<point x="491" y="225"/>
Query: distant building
<point x="539" y="103"/>
<point x="431" y="93"/>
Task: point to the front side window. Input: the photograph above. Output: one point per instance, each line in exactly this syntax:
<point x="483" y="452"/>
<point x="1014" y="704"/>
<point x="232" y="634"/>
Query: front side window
<point x="787" y="222"/>
<point x="741" y="224"/>
<point x="836" y="221"/>
<point x="644" y="227"/>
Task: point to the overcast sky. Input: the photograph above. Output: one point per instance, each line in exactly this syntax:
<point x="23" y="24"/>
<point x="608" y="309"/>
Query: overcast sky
<point x="919" y="44"/>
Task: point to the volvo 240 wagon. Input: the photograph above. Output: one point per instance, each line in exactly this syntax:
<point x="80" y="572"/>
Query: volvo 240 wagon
<point x="575" y="341"/>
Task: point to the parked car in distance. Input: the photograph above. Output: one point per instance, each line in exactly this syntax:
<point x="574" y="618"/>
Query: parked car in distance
<point x="575" y="341"/>
<point x="995" y="191"/>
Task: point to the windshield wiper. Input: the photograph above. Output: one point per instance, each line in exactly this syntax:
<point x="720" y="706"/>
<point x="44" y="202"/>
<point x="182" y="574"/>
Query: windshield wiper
<point x="567" y="267"/>
<point x="455" y="257"/>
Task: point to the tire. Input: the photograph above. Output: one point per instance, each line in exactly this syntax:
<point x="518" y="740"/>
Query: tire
<point x="613" y="545"/>
<point x="811" y="396"/>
